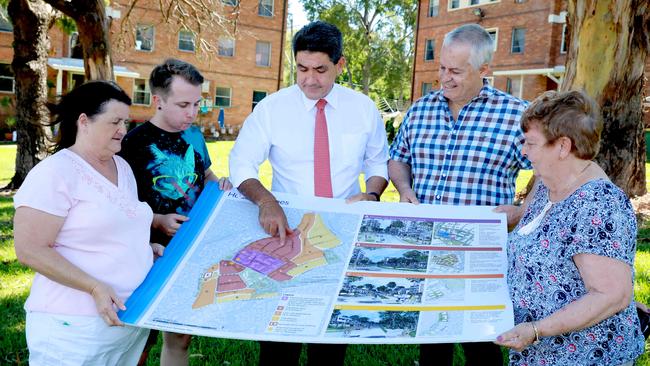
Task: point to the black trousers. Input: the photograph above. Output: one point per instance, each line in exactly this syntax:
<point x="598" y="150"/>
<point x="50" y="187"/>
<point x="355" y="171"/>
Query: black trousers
<point x="481" y="353"/>
<point x="288" y="354"/>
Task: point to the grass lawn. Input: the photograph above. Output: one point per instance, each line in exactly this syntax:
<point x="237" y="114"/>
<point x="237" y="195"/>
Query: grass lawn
<point x="16" y="279"/>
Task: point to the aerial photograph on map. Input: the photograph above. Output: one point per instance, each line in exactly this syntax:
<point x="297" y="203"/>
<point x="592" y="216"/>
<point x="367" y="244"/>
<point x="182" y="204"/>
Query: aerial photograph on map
<point x="372" y="324"/>
<point x="437" y="290"/>
<point x="440" y="323"/>
<point x="394" y="260"/>
<point x="381" y="290"/>
<point x="446" y="261"/>
<point x="390" y="230"/>
<point x="453" y="233"/>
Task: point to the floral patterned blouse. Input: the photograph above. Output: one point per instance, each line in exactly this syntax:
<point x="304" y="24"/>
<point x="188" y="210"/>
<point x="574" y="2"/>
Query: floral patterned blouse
<point x="597" y="219"/>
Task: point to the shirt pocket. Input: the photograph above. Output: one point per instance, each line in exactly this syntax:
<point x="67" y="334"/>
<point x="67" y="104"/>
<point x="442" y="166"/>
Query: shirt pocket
<point x="353" y="148"/>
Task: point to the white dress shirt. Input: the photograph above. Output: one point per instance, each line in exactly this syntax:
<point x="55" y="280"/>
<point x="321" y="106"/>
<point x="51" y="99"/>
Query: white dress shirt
<point x="281" y="129"/>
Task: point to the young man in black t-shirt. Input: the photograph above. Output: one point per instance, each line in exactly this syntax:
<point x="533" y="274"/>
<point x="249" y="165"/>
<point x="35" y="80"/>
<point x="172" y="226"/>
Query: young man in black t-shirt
<point x="171" y="164"/>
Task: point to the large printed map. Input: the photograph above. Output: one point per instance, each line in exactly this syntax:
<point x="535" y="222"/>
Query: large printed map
<point x="348" y="273"/>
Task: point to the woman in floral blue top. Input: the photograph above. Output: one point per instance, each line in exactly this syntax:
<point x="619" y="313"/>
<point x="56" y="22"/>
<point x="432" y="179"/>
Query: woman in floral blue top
<point x="570" y="258"/>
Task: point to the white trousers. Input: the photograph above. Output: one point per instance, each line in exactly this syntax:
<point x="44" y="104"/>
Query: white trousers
<point x="54" y="339"/>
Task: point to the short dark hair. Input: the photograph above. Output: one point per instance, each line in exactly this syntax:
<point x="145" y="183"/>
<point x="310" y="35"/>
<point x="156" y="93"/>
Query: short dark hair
<point x="319" y="36"/>
<point x="89" y="99"/>
<point x="162" y="75"/>
<point x="572" y="114"/>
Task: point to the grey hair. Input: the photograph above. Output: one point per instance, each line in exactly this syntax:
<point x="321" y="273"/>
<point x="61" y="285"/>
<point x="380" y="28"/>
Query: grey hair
<point x="482" y="45"/>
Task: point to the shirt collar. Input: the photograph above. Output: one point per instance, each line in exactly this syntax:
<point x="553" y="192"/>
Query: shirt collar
<point x="332" y="98"/>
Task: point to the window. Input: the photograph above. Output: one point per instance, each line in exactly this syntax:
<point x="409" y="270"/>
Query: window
<point x="6" y="78"/>
<point x="258" y="96"/>
<point x="429" y="47"/>
<point x="144" y="37"/>
<point x="5" y="22"/>
<point x="263" y="53"/>
<point x="265" y="8"/>
<point x="513" y="87"/>
<point x="518" y="40"/>
<point x="434" y="5"/>
<point x="230" y="2"/>
<point x="226" y="47"/>
<point x="186" y="40"/>
<point x="75" y="50"/>
<point x="223" y="97"/>
<point x="563" y="46"/>
<point x="494" y="33"/>
<point x="141" y="92"/>
<point x="461" y="4"/>
<point x="426" y="88"/>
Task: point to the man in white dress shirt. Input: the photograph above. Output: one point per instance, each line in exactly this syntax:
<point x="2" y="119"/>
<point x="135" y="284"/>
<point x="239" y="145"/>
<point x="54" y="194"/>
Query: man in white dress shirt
<point x="284" y="129"/>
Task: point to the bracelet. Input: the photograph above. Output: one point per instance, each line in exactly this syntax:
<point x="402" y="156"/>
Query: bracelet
<point x="374" y="194"/>
<point x="536" y="332"/>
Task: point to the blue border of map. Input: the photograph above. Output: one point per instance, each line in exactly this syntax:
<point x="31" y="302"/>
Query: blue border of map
<point x="157" y="278"/>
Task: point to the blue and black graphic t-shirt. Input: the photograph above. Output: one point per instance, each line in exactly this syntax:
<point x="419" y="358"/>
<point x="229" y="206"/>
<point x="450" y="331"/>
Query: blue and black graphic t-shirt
<point x="169" y="167"/>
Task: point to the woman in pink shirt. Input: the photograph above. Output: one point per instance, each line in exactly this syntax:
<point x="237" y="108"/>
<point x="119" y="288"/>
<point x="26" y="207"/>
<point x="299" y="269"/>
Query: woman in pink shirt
<point x="80" y="226"/>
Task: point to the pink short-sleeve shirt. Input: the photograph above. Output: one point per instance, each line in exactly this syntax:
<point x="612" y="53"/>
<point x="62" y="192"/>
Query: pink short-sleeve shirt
<point x="105" y="232"/>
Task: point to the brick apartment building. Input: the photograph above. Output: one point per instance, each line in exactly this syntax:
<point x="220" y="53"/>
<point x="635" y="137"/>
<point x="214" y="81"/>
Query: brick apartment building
<point x="243" y="68"/>
<point x="530" y="53"/>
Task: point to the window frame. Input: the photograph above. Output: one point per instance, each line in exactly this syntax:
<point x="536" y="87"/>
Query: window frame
<point x="192" y="40"/>
<point x="433" y="4"/>
<point x="428" y="42"/>
<point x="465" y="4"/>
<point x="219" y="47"/>
<point x="153" y="37"/>
<point x="146" y="93"/>
<point x="522" y="46"/>
<point x="217" y="95"/>
<point x="422" y="88"/>
<point x="255" y="103"/>
<point x="509" y="84"/>
<point x="563" y="46"/>
<point x="496" y="37"/>
<point x="9" y="76"/>
<point x="264" y="5"/>
<point x="258" y="43"/>
<point x="4" y="19"/>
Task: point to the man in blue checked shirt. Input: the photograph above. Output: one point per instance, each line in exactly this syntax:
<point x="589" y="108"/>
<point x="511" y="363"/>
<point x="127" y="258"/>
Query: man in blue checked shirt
<point x="461" y="145"/>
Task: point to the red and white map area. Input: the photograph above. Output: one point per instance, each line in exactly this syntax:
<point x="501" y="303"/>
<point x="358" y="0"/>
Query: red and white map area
<point x="302" y="251"/>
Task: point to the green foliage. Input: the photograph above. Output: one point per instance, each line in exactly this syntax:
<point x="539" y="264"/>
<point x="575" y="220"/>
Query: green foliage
<point x="378" y="42"/>
<point x="66" y="24"/>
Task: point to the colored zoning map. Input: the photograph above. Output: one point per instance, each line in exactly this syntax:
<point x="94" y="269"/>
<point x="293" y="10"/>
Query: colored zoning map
<point x="302" y="251"/>
<point x="453" y="233"/>
<point x="347" y="273"/>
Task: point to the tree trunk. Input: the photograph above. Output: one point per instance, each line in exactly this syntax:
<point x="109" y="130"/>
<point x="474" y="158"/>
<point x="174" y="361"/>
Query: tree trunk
<point x="609" y="42"/>
<point x="32" y="20"/>
<point x="92" y="23"/>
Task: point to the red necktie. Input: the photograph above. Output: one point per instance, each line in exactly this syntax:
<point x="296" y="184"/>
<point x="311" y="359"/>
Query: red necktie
<point x="322" y="176"/>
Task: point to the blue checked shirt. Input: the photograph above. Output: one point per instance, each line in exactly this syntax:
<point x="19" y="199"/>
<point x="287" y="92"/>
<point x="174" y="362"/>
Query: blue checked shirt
<point x="472" y="161"/>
